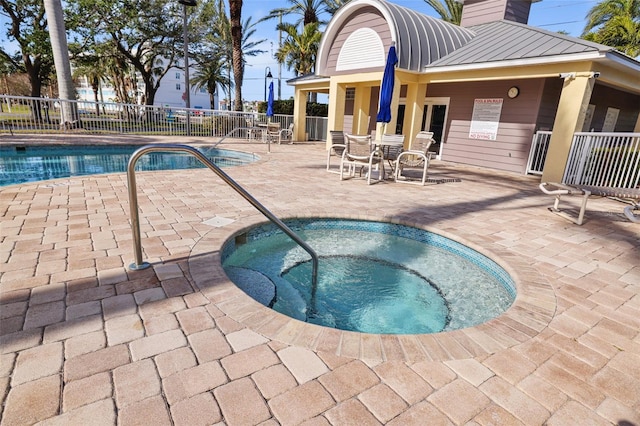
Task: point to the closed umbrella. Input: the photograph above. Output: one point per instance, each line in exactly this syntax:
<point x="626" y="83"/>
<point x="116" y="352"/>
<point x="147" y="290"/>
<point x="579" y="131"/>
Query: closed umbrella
<point x="270" y="101"/>
<point x="386" y="88"/>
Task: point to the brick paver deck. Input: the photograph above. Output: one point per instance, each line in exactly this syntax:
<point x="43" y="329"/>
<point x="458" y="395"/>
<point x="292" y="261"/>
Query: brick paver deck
<point x="85" y="340"/>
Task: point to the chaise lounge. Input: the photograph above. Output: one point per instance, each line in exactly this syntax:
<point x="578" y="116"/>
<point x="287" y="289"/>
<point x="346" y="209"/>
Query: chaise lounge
<point x="629" y="195"/>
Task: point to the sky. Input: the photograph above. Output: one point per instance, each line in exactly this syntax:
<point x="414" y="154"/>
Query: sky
<point x="551" y="15"/>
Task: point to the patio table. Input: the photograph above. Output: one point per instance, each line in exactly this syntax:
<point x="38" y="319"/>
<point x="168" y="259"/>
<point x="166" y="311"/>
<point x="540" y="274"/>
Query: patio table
<point x="390" y="151"/>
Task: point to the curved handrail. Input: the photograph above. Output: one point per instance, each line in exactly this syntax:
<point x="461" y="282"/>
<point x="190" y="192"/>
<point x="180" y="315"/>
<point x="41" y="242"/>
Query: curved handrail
<point x="135" y="220"/>
<point x="241" y="128"/>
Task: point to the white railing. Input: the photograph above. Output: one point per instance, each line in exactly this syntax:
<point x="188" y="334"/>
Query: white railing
<point x="604" y="159"/>
<point x="22" y="114"/>
<point x="538" y="152"/>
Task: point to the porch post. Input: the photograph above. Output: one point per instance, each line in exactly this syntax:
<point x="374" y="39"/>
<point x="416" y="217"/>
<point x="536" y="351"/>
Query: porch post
<point x="299" y="115"/>
<point x="574" y="100"/>
<point x="361" y="110"/>
<point x="416" y="94"/>
<point x="337" y="96"/>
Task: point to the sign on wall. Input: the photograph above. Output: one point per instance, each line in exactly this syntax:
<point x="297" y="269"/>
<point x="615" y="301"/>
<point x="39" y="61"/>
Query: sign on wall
<point x="610" y="119"/>
<point x="485" y="119"/>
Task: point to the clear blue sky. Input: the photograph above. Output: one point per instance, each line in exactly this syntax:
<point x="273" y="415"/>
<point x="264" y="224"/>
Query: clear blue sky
<point x="552" y="15"/>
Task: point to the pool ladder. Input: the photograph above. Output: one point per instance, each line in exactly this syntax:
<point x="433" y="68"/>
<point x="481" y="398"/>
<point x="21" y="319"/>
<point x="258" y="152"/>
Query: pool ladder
<point x="135" y="220"/>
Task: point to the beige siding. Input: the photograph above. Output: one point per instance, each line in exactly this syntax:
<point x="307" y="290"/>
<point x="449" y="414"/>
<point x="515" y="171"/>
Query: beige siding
<point x="366" y="18"/>
<point x="549" y="103"/>
<point x="510" y="150"/>
<point x="604" y="97"/>
<point x="517" y="11"/>
<point x="476" y="12"/>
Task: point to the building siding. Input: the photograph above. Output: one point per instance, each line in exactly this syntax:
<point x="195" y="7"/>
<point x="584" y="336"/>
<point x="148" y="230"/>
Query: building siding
<point x="518" y="117"/>
<point x="604" y="97"/>
<point x="549" y="104"/>
<point x="367" y="18"/>
<point x="476" y="12"/>
<point x="517" y="11"/>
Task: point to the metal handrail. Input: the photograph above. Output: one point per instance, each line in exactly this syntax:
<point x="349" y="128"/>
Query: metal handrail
<point x="135" y="220"/>
<point x="242" y="128"/>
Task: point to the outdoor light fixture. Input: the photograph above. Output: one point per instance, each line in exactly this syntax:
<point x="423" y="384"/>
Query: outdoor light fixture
<point x="267" y="76"/>
<point x="187" y="91"/>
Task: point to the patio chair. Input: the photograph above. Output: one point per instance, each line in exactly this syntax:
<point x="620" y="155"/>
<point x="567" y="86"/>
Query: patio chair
<point x="336" y="149"/>
<point x="272" y="133"/>
<point x="361" y="153"/>
<point x="417" y="156"/>
<point x="286" y="134"/>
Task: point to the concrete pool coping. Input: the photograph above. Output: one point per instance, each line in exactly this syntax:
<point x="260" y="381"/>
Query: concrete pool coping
<point x="529" y="315"/>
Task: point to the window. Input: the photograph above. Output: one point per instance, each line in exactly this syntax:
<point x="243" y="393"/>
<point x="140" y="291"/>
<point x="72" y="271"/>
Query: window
<point x="178" y="76"/>
<point x="178" y="87"/>
<point x="350" y="94"/>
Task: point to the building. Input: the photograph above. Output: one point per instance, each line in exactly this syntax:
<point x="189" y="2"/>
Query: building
<point x="171" y="92"/>
<point x="484" y="88"/>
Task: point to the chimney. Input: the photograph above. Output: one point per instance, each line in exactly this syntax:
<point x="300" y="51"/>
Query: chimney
<point x="476" y="12"/>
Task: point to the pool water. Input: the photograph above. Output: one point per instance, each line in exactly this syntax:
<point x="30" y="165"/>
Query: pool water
<point x="369" y="295"/>
<point x="41" y="162"/>
<point x="373" y="277"/>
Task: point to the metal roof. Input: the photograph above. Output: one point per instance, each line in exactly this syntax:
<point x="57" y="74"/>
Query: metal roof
<point x="506" y="40"/>
<point x="420" y="39"/>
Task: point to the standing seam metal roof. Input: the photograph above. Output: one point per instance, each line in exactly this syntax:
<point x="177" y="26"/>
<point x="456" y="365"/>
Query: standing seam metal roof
<point x="420" y="39"/>
<point x="506" y="40"/>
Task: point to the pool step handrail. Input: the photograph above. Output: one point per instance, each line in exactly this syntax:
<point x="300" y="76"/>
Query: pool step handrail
<point x="135" y="220"/>
<point x="235" y="130"/>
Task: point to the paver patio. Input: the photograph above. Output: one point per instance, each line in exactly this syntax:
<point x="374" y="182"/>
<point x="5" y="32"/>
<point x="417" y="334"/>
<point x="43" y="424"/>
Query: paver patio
<point x="84" y="340"/>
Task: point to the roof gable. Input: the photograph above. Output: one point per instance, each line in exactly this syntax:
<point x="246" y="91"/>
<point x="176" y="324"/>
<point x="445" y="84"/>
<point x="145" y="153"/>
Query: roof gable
<point x="419" y="39"/>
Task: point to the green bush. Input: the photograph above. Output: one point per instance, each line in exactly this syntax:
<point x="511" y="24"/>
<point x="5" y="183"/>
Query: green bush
<point x="285" y="107"/>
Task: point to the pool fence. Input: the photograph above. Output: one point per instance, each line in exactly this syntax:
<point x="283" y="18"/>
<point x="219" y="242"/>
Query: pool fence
<point x="23" y="114"/>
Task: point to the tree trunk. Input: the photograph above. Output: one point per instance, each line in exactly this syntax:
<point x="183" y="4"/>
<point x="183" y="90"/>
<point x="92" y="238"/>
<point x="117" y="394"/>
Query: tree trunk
<point x="235" y="12"/>
<point x="57" y="33"/>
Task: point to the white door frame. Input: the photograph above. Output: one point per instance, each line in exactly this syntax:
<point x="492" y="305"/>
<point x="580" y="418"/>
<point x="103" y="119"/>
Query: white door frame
<point x="428" y="105"/>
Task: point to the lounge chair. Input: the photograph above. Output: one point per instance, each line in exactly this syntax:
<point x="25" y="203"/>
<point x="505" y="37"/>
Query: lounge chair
<point x="361" y="153"/>
<point x="417" y="156"/>
<point x="630" y="195"/>
<point x="336" y="149"/>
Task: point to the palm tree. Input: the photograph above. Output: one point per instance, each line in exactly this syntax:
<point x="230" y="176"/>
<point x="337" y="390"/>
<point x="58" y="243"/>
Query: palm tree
<point x="616" y="24"/>
<point x="92" y="69"/>
<point x="449" y="11"/>
<point x="309" y="11"/>
<point x="235" y="19"/>
<point x="66" y="90"/>
<point x="332" y="6"/>
<point x="210" y="74"/>
<point x="299" y="51"/>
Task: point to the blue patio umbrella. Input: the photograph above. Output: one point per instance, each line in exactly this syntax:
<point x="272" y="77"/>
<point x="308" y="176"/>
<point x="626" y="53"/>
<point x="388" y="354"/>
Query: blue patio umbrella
<point x="386" y="89"/>
<point x="270" y="101"/>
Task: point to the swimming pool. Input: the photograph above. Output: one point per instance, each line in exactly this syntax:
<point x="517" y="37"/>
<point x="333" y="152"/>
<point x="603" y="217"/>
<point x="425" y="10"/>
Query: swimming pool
<point x="373" y="277"/>
<point x="31" y="163"/>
